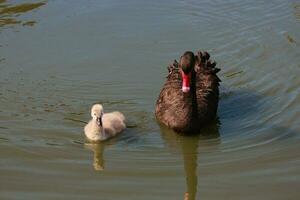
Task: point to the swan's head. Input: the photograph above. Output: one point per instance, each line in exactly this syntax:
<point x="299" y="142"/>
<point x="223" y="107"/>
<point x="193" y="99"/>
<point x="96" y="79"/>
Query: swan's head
<point x="97" y="113"/>
<point x="186" y="64"/>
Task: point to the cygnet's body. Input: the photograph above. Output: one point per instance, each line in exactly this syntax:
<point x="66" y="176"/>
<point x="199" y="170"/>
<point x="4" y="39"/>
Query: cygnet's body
<point x="104" y="125"/>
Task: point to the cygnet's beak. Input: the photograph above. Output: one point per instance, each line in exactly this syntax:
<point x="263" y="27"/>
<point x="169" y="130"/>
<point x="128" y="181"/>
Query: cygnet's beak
<point x="99" y="121"/>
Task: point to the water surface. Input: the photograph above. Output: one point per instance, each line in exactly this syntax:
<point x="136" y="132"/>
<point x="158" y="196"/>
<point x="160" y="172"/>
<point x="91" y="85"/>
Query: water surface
<point x="57" y="58"/>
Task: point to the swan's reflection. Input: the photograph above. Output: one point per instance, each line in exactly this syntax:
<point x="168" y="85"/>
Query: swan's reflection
<point x="98" y="149"/>
<point x="189" y="149"/>
<point x="10" y="12"/>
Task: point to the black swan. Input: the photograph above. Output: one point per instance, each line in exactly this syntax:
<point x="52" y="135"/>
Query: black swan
<point x="189" y="98"/>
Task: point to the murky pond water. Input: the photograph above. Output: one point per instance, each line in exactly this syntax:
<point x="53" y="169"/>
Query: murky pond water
<point x="57" y="58"/>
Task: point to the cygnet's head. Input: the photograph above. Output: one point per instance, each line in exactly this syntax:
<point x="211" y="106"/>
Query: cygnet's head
<point x="97" y="113"/>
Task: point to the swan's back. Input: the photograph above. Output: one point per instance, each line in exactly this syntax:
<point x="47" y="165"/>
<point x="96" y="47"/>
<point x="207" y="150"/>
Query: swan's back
<point x="113" y="123"/>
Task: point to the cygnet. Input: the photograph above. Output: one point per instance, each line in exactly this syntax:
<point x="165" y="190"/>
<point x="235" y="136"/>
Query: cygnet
<point x="103" y="126"/>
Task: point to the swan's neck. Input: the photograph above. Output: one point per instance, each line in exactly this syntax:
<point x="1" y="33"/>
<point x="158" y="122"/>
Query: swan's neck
<point x="101" y="131"/>
<point x="193" y="96"/>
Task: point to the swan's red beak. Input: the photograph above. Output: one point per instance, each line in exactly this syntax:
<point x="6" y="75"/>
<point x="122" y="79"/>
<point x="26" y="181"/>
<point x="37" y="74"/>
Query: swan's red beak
<point x="186" y="80"/>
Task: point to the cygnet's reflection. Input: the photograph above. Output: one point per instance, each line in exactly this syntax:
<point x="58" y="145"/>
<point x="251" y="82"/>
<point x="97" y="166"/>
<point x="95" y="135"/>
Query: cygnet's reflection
<point x="98" y="149"/>
<point x="189" y="149"/>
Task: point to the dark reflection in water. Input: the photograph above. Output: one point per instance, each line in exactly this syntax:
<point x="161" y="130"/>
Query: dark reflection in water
<point x="188" y="146"/>
<point x="9" y="13"/>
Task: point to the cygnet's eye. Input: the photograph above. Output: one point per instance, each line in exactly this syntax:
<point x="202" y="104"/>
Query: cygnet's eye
<point x="95" y="114"/>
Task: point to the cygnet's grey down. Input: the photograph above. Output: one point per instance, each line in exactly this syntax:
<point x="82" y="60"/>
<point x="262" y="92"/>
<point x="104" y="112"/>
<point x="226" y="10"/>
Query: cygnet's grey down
<point x="103" y="126"/>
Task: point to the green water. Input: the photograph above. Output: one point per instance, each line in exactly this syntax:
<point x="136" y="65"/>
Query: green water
<point x="57" y="58"/>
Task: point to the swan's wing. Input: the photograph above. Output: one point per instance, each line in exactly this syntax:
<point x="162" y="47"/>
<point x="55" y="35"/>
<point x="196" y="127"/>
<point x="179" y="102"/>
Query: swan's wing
<point x="114" y="122"/>
<point x="207" y="86"/>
